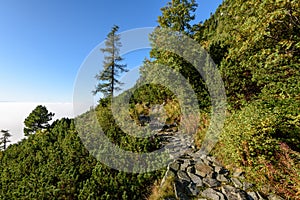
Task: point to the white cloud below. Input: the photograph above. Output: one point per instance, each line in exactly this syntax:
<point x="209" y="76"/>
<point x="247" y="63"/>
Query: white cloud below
<point x="13" y="114"/>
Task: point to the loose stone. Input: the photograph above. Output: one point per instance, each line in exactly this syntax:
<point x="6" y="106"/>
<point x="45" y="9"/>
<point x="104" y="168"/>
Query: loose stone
<point x="183" y="176"/>
<point x="237" y="183"/>
<point x="211" y="194"/>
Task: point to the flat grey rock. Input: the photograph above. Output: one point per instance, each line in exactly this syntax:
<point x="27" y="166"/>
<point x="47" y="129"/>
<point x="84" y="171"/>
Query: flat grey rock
<point x="211" y="182"/>
<point x="233" y="193"/>
<point x="217" y="169"/>
<point x="212" y="194"/>
<point x="174" y="166"/>
<point x="203" y="169"/>
<point x="222" y="178"/>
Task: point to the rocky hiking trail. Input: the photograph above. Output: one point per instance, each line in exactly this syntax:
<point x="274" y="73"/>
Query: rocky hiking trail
<point x="200" y="176"/>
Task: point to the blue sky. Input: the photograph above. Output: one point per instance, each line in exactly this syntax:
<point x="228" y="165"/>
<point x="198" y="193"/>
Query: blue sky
<point x="44" y="43"/>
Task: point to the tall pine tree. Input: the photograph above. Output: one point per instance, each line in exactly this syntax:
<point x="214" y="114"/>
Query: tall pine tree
<point x="108" y="82"/>
<point x="177" y="16"/>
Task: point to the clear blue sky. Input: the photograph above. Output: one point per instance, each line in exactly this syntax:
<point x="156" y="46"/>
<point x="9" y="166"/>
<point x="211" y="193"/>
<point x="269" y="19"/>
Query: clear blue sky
<point x="43" y="43"/>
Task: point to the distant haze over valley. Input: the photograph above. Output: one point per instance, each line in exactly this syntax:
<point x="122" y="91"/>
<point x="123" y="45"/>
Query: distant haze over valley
<point x="13" y="115"/>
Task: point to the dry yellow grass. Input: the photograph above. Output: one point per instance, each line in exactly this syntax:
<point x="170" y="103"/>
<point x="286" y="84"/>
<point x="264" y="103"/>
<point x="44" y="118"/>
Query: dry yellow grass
<point x="161" y="192"/>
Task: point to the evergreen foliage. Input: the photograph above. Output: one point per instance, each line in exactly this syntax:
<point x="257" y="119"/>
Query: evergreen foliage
<point x="256" y="46"/>
<point x="177" y="16"/>
<point x="4" y="140"/>
<point x="54" y="164"/>
<point x="37" y="120"/>
<point x="111" y="66"/>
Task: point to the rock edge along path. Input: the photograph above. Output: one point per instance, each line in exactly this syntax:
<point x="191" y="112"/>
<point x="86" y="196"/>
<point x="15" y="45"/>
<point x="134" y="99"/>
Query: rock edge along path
<point x="199" y="176"/>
